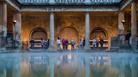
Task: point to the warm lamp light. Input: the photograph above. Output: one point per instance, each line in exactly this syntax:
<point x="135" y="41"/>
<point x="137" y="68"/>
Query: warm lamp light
<point x="123" y="21"/>
<point x="14" y="21"/>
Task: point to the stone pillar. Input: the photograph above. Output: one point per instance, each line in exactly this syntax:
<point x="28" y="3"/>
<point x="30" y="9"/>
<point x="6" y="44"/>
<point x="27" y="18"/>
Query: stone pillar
<point x="17" y="29"/>
<point x="87" y="31"/>
<point x="51" y="30"/>
<point x="3" y="25"/>
<point x="133" y="25"/>
<point x="121" y="20"/>
<point x="133" y="19"/>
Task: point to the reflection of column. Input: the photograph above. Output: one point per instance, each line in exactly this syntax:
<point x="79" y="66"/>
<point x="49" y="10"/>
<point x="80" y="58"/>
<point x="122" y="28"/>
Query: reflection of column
<point x="133" y="23"/>
<point x="17" y="29"/>
<point x="121" y="68"/>
<point x="52" y="67"/>
<point x="16" y="72"/>
<point x="3" y="72"/>
<point x="3" y="23"/>
<point x="133" y="66"/>
<point x="120" y="22"/>
<point x="87" y="67"/>
<point x="51" y="30"/>
<point x="87" y="30"/>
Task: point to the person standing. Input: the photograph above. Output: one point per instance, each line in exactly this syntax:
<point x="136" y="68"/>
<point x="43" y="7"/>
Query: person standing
<point x="94" y="41"/>
<point x="127" y="37"/>
<point x="58" y="43"/>
<point x="101" y="42"/>
<point x="72" y="44"/>
<point x="81" y="44"/>
<point x="63" y="44"/>
<point x="66" y="44"/>
<point x="42" y="43"/>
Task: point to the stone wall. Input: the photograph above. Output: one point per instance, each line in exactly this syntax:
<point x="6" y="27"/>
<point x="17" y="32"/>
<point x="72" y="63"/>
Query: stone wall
<point x="77" y="23"/>
<point x="31" y="22"/>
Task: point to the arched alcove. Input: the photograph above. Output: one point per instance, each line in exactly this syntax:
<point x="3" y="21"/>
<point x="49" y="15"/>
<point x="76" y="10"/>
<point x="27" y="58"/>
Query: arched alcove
<point x="38" y="33"/>
<point x="69" y="33"/>
<point x="99" y="32"/>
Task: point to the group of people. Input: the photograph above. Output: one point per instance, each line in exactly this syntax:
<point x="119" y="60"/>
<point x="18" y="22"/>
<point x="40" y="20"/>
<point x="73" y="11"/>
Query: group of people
<point x="96" y="42"/>
<point x="69" y="44"/>
<point x="65" y="43"/>
<point x="42" y="42"/>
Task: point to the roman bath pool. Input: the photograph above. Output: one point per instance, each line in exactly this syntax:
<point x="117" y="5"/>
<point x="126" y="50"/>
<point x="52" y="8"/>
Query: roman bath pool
<point x="67" y="64"/>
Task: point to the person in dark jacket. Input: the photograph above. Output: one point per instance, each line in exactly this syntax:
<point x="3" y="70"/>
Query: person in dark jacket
<point x="127" y="37"/>
<point x="101" y="42"/>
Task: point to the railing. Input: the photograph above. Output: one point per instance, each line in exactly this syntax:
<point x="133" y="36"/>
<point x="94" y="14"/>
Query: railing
<point x="105" y="44"/>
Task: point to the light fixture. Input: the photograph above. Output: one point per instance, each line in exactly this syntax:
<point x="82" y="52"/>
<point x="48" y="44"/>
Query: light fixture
<point x="123" y="21"/>
<point x="14" y="21"/>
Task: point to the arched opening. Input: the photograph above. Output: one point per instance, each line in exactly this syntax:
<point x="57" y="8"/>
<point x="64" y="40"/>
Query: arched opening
<point x="69" y="33"/>
<point x="98" y="33"/>
<point x="36" y="36"/>
<point x="38" y="33"/>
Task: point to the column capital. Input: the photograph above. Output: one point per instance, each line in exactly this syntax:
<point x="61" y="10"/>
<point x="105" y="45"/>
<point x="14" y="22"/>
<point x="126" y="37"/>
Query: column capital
<point x="51" y="13"/>
<point x="87" y="13"/>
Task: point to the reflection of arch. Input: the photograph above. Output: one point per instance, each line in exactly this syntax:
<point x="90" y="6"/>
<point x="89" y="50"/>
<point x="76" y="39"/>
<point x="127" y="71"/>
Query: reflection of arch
<point x="99" y="32"/>
<point x="39" y="65"/>
<point x="38" y="33"/>
<point x="69" y="33"/>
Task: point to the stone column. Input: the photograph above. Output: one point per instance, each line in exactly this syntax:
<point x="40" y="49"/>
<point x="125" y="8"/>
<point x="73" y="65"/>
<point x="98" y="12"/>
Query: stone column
<point x="133" y="19"/>
<point x="51" y="30"/>
<point x="17" y="29"/>
<point x="3" y="25"/>
<point x="133" y="25"/>
<point x="87" y="31"/>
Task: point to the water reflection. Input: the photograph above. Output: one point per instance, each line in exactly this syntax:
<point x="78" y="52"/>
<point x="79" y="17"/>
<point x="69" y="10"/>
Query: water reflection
<point x="35" y="66"/>
<point x="69" y="65"/>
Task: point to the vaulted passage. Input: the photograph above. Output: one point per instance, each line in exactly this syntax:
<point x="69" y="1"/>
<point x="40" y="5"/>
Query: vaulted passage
<point x="69" y="33"/>
<point x="38" y="34"/>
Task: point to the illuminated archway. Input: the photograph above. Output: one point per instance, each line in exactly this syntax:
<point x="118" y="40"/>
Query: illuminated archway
<point x="69" y="33"/>
<point x="38" y="33"/>
<point x="99" y="32"/>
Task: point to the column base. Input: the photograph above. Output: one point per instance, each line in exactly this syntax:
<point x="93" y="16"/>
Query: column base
<point x="133" y="43"/>
<point x="51" y="49"/>
<point x="87" y="48"/>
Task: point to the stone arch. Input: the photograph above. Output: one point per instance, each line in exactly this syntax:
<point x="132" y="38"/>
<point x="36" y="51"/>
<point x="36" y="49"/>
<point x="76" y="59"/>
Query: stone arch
<point x="38" y="33"/>
<point x="99" y="32"/>
<point x="69" y="33"/>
